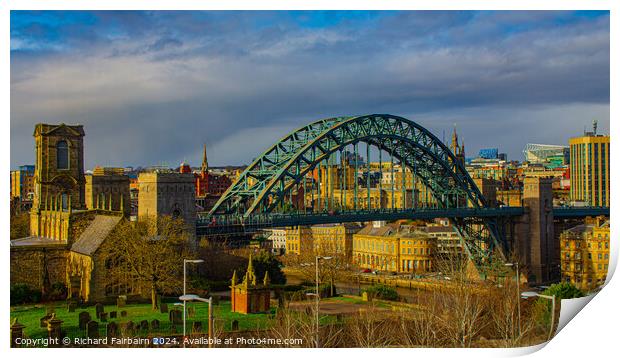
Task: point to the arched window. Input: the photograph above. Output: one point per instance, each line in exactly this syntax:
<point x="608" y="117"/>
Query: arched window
<point x="62" y="155"/>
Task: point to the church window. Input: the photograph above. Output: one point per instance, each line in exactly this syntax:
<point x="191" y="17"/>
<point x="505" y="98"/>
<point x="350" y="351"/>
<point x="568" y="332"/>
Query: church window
<point x="62" y="155"/>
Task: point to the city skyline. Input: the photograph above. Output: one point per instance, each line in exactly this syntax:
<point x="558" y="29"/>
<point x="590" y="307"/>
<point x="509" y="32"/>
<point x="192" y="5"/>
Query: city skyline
<point x="251" y="77"/>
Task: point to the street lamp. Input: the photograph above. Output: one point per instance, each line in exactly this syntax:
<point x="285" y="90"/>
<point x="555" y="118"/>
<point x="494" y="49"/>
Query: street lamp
<point x="516" y="264"/>
<point x="318" y="295"/>
<point x="209" y="300"/>
<point x="185" y="262"/>
<point x="552" y="298"/>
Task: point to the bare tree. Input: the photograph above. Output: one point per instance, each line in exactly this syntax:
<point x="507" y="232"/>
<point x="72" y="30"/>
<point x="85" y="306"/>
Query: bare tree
<point x="372" y="327"/>
<point x="135" y="256"/>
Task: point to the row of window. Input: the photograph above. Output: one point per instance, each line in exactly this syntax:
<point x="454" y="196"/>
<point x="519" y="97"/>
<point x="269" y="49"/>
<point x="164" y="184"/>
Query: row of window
<point x="578" y="244"/>
<point x="415" y="251"/>
<point x="577" y="256"/>
<point x="578" y="267"/>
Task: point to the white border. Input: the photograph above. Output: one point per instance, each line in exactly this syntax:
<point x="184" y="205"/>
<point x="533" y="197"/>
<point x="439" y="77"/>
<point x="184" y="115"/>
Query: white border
<point x="590" y="333"/>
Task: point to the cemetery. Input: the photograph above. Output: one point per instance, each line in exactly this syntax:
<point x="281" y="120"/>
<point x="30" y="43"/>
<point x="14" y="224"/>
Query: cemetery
<point x="129" y="320"/>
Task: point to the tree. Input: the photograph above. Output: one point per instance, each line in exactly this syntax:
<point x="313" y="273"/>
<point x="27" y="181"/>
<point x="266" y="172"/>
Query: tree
<point x="266" y="262"/>
<point x="563" y="290"/>
<point x="148" y="253"/>
<point x="336" y="268"/>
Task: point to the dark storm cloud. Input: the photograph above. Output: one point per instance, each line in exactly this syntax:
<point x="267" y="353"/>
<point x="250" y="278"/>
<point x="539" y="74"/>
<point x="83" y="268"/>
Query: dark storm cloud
<point x="151" y="87"/>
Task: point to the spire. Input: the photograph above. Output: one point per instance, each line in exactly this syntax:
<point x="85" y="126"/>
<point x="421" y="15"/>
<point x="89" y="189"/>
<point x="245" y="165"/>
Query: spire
<point x="455" y="140"/>
<point x="205" y="162"/>
<point x="250" y="276"/>
<point x="266" y="279"/>
<point x="234" y="278"/>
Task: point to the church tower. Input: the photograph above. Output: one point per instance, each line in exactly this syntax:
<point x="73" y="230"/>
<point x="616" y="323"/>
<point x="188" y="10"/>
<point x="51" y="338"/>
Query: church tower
<point x="58" y="178"/>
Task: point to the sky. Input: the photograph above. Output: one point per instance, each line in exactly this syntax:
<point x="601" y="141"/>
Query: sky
<point x="151" y="87"/>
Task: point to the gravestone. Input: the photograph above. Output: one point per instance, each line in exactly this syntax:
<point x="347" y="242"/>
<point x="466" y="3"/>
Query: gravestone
<point x="191" y="312"/>
<point x="154" y="325"/>
<point x="121" y="301"/>
<point x="196" y="327"/>
<point x="163" y="308"/>
<point x="43" y="320"/>
<point x="111" y="330"/>
<point x="112" y="314"/>
<point x="127" y="328"/>
<point x="83" y="319"/>
<point x="103" y="316"/>
<point x="92" y="329"/>
<point x="98" y="309"/>
<point x="54" y="327"/>
<point x="175" y="317"/>
<point x="144" y="325"/>
<point x="123" y="313"/>
<point x="71" y="306"/>
<point x="17" y="332"/>
<point x="234" y="326"/>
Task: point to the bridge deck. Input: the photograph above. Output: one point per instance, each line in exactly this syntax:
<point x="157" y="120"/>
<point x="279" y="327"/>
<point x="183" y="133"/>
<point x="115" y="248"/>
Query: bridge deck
<point x="231" y="224"/>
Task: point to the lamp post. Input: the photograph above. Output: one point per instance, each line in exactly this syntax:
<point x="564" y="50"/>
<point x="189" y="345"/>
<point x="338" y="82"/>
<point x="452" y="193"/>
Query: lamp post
<point x="185" y="262"/>
<point x="209" y="300"/>
<point x="516" y="264"/>
<point x="552" y="299"/>
<point x="316" y="294"/>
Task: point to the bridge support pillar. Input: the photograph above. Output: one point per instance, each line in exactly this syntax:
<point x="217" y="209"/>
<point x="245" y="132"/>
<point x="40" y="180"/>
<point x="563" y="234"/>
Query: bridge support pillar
<point x="534" y="234"/>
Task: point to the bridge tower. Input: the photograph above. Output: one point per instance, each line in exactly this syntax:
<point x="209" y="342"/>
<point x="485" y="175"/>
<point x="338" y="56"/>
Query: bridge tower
<point x="535" y="244"/>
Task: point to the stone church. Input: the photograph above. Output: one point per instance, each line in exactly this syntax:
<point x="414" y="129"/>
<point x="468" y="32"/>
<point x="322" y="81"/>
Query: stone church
<point x="72" y="216"/>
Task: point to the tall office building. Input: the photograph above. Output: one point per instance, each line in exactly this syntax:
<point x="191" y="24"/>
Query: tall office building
<point x="589" y="168"/>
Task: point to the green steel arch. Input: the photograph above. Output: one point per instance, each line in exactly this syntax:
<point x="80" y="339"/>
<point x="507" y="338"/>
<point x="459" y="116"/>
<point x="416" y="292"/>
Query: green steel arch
<point x="266" y="183"/>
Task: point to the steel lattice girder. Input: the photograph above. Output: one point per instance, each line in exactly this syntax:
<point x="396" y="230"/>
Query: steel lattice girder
<point x="284" y="164"/>
<point x="266" y="182"/>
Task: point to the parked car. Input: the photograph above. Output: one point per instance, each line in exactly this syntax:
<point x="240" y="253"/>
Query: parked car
<point x="366" y="270"/>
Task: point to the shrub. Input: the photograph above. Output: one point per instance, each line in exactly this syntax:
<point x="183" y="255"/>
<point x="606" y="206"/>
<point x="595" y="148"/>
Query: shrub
<point x="561" y="291"/>
<point x="382" y="292"/>
<point x="22" y="293"/>
<point x="325" y="290"/>
<point x="58" y="292"/>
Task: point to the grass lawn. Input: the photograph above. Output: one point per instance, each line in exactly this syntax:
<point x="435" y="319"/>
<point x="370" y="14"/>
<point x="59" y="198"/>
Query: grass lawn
<point x="356" y="300"/>
<point x="30" y="316"/>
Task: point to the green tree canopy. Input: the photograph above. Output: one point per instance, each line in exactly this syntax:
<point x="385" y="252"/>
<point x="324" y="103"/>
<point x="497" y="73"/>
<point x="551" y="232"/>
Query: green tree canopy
<point x="563" y="290"/>
<point x="266" y="262"/>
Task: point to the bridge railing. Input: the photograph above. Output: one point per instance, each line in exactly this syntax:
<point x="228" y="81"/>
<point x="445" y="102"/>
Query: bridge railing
<point x="337" y="216"/>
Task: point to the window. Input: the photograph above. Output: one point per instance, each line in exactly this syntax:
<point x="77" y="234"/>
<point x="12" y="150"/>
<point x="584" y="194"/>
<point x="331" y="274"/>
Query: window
<point x="62" y="155"/>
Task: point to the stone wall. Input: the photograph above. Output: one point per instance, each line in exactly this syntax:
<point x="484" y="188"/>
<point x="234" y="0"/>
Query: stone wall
<point x="31" y="265"/>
